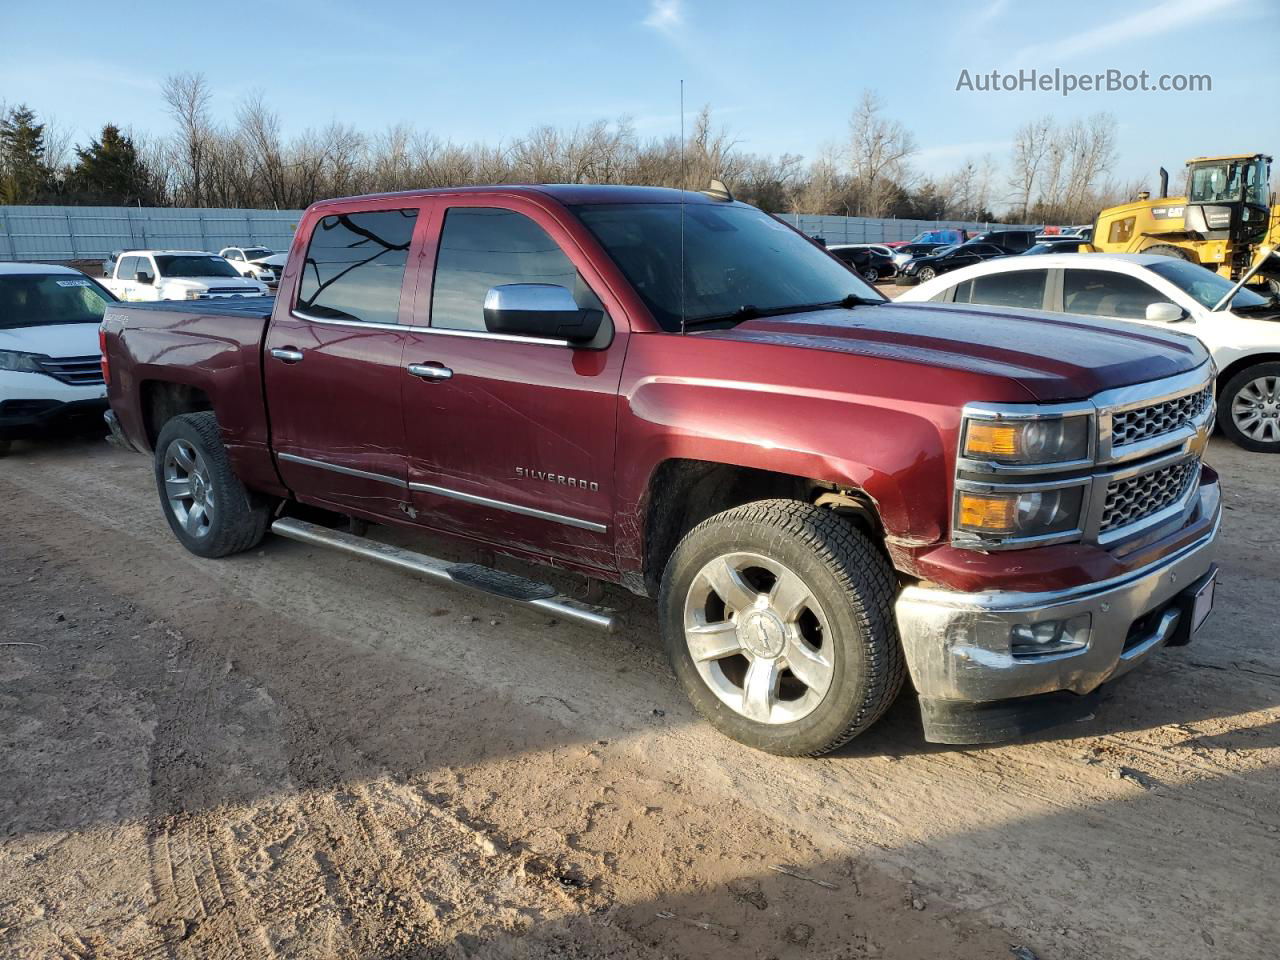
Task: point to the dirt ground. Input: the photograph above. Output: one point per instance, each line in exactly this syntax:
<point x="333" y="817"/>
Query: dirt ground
<point x="297" y="754"/>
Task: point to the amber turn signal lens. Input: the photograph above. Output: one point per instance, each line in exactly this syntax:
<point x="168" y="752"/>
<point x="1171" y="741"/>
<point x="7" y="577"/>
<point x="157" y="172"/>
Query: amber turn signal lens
<point x="988" y="514"/>
<point x="993" y="439"/>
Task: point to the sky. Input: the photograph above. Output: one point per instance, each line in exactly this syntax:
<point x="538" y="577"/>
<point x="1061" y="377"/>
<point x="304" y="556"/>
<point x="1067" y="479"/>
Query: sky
<point x="783" y="77"/>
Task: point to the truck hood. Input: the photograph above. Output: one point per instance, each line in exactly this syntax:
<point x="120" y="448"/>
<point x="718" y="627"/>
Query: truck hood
<point x="52" y="339"/>
<point x="1053" y="356"/>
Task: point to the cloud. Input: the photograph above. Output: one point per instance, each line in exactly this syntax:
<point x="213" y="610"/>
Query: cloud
<point x="1164" y="17"/>
<point x="665" y="16"/>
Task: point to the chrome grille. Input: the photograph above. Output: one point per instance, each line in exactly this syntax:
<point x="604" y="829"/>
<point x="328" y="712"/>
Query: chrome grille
<point x="1136" y="498"/>
<point x="1130" y="426"/>
<point x="77" y="371"/>
<point x="249" y="291"/>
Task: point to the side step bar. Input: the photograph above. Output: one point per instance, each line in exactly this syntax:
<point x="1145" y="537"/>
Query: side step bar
<point x="496" y="583"/>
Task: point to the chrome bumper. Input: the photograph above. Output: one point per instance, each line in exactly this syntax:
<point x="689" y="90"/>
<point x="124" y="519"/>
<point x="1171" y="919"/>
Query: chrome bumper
<point x="944" y="632"/>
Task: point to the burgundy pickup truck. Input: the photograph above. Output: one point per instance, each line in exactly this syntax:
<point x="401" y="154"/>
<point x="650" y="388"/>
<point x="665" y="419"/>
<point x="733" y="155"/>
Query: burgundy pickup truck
<point x="824" y="491"/>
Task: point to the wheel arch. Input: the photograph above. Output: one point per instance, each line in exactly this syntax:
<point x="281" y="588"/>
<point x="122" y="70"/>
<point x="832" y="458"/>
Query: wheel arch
<point x="162" y="400"/>
<point x="684" y="492"/>
<point x="1243" y="363"/>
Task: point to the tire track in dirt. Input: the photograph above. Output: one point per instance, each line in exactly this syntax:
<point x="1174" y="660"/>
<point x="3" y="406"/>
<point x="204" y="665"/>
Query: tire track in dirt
<point x="1021" y="833"/>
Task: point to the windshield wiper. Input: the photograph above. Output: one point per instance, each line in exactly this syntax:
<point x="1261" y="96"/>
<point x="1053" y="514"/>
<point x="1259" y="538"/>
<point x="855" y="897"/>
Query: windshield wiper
<point x="749" y="311"/>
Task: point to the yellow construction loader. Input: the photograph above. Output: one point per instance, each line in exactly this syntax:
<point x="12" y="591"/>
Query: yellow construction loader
<point x="1227" y="215"/>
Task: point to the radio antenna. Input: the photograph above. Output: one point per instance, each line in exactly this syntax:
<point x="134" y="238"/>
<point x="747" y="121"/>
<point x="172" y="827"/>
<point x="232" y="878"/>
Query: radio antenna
<point x="684" y="182"/>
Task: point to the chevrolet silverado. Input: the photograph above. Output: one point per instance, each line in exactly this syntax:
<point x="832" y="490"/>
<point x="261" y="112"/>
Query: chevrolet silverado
<point x="824" y="491"/>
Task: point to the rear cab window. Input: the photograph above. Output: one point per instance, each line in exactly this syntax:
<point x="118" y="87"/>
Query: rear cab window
<point x="355" y="265"/>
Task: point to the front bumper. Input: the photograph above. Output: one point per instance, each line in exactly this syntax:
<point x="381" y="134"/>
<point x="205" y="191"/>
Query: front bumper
<point x="32" y="419"/>
<point x="955" y="665"/>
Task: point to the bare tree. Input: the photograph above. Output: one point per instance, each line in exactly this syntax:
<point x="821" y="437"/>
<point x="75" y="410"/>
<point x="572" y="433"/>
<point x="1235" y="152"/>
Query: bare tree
<point x="1031" y="144"/>
<point x="879" y="153"/>
<point x="187" y="96"/>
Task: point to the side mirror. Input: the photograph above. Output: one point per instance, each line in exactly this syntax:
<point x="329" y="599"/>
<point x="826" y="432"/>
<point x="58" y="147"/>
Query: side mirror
<point x="143" y="277"/>
<point x="1164" y="312"/>
<point x="539" y="310"/>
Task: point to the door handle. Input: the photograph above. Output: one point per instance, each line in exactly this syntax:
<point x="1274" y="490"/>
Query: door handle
<point x="287" y="354"/>
<point x="429" y="371"/>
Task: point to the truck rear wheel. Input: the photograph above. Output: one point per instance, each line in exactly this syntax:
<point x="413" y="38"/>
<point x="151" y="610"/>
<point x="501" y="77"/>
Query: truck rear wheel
<point x="209" y="510"/>
<point x="778" y="622"/>
<point x="1249" y="408"/>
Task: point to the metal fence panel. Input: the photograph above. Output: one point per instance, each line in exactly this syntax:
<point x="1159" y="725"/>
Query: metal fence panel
<point x="92" y="233"/>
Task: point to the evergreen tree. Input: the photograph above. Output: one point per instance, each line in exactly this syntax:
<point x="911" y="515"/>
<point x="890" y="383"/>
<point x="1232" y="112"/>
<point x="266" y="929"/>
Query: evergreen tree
<point x="109" y="171"/>
<point x="25" y="176"/>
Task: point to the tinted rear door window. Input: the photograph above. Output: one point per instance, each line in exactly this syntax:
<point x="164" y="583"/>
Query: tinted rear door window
<point x="355" y="266"/>
<point x="1016" y="288"/>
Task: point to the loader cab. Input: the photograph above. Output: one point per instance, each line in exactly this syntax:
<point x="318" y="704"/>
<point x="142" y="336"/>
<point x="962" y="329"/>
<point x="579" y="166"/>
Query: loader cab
<point x="1228" y="199"/>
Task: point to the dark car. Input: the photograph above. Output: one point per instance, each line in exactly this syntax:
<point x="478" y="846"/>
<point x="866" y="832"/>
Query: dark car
<point x="865" y="260"/>
<point x="1055" y="245"/>
<point x="923" y="269"/>
<point x="1014" y="241"/>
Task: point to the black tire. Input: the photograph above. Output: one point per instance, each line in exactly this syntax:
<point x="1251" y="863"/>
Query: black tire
<point x="871" y="274"/>
<point x="845" y="573"/>
<point x="1167" y="250"/>
<point x="925" y="274"/>
<point x="236" y="519"/>
<point x="1227" y="398"/>
<point x="5" y="447"/>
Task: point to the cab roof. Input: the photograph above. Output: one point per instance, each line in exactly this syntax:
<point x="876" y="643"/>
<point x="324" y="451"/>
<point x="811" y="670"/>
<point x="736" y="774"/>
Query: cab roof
<point x="1232" y="156"/>
<point x="566" y="193"/>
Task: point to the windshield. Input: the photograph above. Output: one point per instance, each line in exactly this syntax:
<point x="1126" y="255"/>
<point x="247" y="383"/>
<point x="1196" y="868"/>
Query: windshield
<point x="735" y="257"/>
<point x="1205" y="286"/>
<point x="253" y="253"/>
<point x="36" y="300"/>
<point x="194" y="265"/>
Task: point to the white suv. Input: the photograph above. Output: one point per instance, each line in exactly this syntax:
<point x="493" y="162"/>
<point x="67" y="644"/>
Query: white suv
<point x="178" y="275"/>
<point x="258" y="263"/>
<point x="50" y="359"/>
<point x="1243" y="335"/>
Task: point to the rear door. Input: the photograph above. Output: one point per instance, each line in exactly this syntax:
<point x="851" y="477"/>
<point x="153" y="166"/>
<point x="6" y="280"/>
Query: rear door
<point x="511" y="441"/>
<point x="332" y="361"/>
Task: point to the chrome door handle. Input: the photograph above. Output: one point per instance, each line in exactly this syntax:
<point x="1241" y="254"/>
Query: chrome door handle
<point x="429" y="371"/>
<point x="287" y="354"/>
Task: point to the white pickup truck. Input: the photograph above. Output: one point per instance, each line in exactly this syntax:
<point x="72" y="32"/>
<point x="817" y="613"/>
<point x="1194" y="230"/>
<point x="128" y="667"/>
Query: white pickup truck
<point x="178" y="275"/>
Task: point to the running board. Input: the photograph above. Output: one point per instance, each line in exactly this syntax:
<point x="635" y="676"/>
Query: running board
<point x="495" y="583"/>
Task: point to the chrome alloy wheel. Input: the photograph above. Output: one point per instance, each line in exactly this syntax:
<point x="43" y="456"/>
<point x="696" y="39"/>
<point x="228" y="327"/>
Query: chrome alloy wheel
<point x="1255" y="409"/>
<point x="759" y="638"/>
<point x="187" y="488"/>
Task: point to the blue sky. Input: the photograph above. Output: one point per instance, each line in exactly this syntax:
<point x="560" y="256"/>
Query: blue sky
<point x="782" y="76"/>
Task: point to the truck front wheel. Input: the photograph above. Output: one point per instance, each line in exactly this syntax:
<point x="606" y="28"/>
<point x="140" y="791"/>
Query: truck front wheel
<point x="778" y="621"/>
<point x="209" y="510"/>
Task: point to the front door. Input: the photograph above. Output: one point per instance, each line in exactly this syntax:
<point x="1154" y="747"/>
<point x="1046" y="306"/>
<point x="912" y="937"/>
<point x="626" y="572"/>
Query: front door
<point x="511" y="438"/>
<point x="333" y="364"/>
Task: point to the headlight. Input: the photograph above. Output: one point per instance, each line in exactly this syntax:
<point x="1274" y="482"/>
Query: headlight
<point x="194" y="294"/>
<point x="1046" y="440"/>
<point x="16" y="362"/>
<point x="994" y="514"/>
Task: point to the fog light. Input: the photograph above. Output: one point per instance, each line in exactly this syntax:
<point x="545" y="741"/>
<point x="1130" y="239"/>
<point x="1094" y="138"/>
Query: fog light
<point x="1046" y="637"/>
